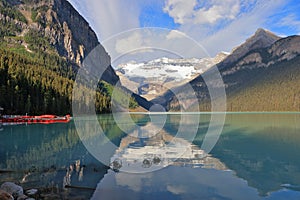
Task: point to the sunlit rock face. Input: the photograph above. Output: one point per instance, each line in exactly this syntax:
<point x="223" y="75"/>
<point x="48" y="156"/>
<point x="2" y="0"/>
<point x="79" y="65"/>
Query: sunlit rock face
<point x="66" y="31"/>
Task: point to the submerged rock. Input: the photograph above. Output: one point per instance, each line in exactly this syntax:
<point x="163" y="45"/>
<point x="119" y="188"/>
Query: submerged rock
<point x="22" y="197"/>
<point x="32" y="192"/>
<point x="13" y="189"/>
<point x="5" y="195"/>
<point x="50" y="196"/>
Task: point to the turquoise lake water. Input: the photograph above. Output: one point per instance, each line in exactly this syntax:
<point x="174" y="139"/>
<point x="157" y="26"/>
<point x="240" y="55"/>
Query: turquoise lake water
<point x="255" y="157"/>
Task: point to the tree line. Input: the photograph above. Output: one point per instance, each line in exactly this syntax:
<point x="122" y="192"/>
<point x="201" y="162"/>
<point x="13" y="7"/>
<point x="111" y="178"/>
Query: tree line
<point x="27" y="86"/>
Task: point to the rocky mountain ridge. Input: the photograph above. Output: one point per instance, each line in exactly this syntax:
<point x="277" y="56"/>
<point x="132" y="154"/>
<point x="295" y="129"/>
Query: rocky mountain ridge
<point x="259" y="75"/>
<point x="43" y="44"/>
<point x="63" y="28"/>
<point x="261" y="39"/>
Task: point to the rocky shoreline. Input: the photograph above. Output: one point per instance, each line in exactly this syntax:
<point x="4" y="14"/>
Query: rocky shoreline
<point x="73" y="181"/>
<point x="12" y="191"/>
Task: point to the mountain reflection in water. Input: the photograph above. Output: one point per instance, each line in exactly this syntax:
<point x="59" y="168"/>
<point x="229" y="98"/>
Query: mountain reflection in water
<point x="208" y="176"/>
<point x="185" y="172"/>
<point x="256" y="157"/>
<point x="147" y="154"/>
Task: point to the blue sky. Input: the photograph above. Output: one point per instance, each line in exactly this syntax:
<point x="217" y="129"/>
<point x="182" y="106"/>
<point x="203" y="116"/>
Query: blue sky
<point x="287" y="20"/>
<point x="218" y="25"/>
<point x="153" y="16"/>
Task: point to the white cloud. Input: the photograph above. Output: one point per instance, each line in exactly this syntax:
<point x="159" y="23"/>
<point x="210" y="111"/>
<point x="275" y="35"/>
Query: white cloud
<point x="185" y="11"/>
<point x="151" y="43"/>
<point x="240" y="29"/>
<point x="181" y="11"/>
<point x="109" y="17"/>
<point x="174" y="34"/>
<point x="134" y="41"/>
<point x="222" y="25"/>
<point x="215" y="24"/>
<point x="221" y="10"/>
<point x="291" y="21"/>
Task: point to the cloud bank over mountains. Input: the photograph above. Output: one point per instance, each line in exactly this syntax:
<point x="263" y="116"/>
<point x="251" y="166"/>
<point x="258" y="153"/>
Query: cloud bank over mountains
<point x="216" y="25"/>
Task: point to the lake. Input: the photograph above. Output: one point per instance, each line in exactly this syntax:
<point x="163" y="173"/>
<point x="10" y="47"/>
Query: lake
<point x="255" y="157"/>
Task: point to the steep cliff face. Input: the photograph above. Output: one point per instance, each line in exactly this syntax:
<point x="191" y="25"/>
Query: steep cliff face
<point x="73" y="36"/>
<point x="43" y="43"/>
<point x="56" y="21"/>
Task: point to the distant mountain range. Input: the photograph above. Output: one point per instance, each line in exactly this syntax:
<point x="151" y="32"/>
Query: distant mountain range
<point x="43" y="44"/>
<point x="153" y="78"/>
<point x="263" y="74"/>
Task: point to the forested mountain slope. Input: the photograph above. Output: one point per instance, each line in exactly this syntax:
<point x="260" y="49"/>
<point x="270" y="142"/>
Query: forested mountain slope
<point x="42" y="45"/>
<point x="263" y="74"/>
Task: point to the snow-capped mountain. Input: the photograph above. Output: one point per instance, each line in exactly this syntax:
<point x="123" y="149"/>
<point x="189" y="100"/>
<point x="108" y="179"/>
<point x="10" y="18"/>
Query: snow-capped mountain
<point x="150" y="79"/>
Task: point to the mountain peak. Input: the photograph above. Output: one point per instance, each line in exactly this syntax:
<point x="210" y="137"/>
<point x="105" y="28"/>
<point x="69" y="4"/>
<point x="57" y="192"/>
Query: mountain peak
<point x="267" y="38"/>
<point x="261" y="39"/>
<point x="261" y="31"/>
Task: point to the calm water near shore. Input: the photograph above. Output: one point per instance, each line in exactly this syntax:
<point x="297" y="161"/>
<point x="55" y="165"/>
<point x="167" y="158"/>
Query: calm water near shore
<point x="256" y="157"/>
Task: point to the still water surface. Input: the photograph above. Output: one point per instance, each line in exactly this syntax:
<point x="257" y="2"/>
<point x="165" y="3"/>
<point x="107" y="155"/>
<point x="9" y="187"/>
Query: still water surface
<point x="256" y="157"/>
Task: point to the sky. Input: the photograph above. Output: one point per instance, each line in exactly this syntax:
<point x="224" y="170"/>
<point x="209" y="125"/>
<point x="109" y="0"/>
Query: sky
<point x="215" y="25"/>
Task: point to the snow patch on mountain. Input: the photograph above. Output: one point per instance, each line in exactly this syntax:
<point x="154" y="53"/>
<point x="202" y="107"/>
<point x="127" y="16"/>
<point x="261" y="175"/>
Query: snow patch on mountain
<point x="154" y="77"/>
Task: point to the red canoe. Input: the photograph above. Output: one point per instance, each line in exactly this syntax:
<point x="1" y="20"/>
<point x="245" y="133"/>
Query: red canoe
<point x="42" y="119"/>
